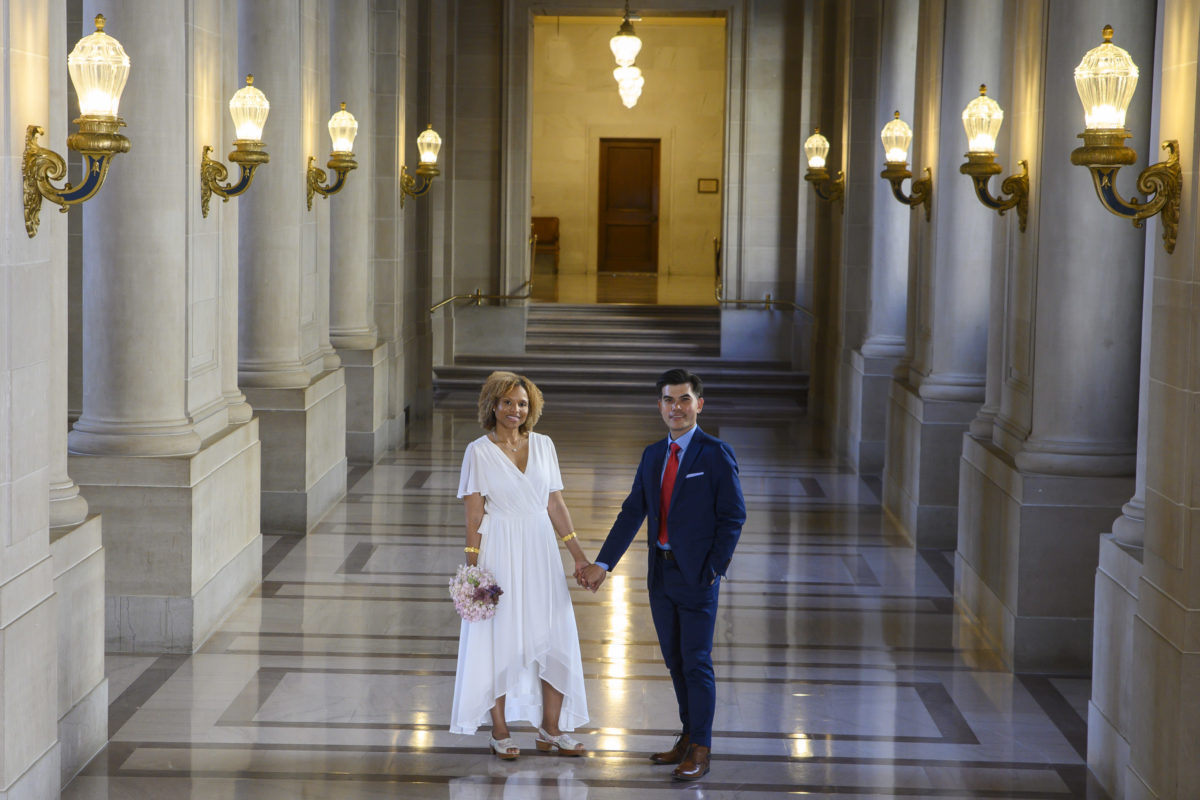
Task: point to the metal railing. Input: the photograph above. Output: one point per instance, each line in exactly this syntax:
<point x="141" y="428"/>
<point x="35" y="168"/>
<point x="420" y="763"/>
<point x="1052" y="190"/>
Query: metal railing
<point x="477" y="297"/>
<point x="767" y="302"/>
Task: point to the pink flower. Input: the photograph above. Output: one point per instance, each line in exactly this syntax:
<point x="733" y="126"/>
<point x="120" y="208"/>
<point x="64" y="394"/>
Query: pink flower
<point x="475" y="593"/>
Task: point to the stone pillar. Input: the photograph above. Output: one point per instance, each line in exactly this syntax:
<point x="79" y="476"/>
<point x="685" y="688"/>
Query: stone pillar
<point x="883" y="233"/>
<point x="1037" y="496"/>
<point x="933" y="404"/>
<point x="282" y="366"/>
<point x="352" y="328"/>
<point x="154" y="446"/>
<point x="28" y="625"/>
<point x="1163" y="687"/>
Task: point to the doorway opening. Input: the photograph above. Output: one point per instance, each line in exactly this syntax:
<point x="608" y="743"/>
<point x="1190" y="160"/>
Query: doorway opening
<point x="635" y="193"/>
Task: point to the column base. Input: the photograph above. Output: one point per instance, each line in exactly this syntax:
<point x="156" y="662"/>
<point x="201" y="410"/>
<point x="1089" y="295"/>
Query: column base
<point x="366" y="404"/>
<point x="920" y="474"/>
<point x="862" y="439"/>
<point x="182" y="539"/>
<point x="1028" y="548"/>
<point x="1110" y="714"/>
<point x="303" y="435"/>
<point x="78" y="557"/>
<point x="40" y="782"/>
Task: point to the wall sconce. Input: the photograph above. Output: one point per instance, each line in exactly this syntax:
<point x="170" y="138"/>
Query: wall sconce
<point x="816" y="147"/>
<point x="428" y="144"/>
<point x="896" y="136"/>
<point x="1105" y="80"/>
<point x="249" y="108"/>
<point x="982" y="119"/>
<point x="343" y="127"/>
<point x="98" y="67"/>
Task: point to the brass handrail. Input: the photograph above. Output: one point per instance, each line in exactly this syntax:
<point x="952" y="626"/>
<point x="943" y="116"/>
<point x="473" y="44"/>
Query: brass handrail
<point x="477" y="297"/>
<point x="768" y="303"/>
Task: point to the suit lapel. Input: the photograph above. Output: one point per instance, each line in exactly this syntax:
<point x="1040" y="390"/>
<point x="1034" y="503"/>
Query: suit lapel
<point x="658" y="458"/>
<point x="689" y="458"/>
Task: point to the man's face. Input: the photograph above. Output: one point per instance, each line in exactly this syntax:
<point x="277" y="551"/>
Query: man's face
<point x="679" y="406"/>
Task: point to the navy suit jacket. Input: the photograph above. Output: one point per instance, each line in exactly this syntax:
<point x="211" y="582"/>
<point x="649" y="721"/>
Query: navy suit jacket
<point x="706" y="514"/>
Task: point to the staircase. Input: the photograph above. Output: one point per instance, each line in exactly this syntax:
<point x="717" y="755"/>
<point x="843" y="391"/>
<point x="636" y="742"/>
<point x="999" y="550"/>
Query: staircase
<point x="616" y="350"/>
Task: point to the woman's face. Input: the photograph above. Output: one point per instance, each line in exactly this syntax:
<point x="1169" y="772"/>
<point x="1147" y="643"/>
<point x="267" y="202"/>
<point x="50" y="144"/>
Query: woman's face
<point x="513" y="409"/>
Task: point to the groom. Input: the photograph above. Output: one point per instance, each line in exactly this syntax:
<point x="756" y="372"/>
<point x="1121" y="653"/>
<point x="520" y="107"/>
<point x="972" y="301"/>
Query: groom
<point x="687" y="486"/>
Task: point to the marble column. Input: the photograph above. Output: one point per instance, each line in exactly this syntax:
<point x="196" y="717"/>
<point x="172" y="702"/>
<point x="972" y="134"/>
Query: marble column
<point x="874" y="355"/>
<point x="932" y="406"/>
<point x="154" y="445"/>
<point x="1037" y="496"/>
<point x="300" y="404"/>
<point x="28" y="625"/>
<point x="352" y="328"/>
<point x="1163" y="682"/>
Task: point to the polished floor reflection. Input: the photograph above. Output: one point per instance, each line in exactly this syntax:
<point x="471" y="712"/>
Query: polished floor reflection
<point x="641" y="288"/>
<point x="840" y="671"/>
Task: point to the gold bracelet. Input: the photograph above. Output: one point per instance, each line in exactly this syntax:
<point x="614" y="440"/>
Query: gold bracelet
<point x="567" y="538"/>
<point x="470" y="549"/>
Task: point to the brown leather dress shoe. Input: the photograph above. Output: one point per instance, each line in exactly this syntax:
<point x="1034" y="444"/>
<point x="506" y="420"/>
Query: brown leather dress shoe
<point x="676" y="753"/>
<point x="694" y="765"/>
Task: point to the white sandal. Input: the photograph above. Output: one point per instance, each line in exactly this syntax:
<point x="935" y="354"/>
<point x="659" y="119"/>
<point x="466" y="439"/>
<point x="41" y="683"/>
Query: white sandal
<point x="501" y="747"/>
<point x="561" y="744"/>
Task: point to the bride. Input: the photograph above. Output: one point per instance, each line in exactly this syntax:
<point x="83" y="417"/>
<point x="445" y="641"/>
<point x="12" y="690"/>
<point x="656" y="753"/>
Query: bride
<point x="523" y="664"/>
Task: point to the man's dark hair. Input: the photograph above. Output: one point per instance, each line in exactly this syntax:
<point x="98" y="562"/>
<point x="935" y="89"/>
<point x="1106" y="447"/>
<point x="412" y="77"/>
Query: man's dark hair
<point x="673" y="377"/>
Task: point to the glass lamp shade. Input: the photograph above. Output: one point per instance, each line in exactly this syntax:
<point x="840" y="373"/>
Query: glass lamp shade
<point x="98" y="67"/>
<point x="896" y="136"/>
<point x="982" y="119"/>
<point x="249" y="108"/>
<point x="630" y="95"/>
<point x="816" y="147"/>
<point x="343" y="127"/>
<point x="1105" y="80"/>
<point x="428" y="145"/>
<point x="625" y="45"/>
<point x="627" y="76"/>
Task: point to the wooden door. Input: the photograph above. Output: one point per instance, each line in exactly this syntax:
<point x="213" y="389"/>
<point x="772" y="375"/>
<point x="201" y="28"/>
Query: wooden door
<point x="628" y="205"/>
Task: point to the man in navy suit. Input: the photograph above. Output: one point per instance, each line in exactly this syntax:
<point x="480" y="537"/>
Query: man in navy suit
<point x="695" y="477"/>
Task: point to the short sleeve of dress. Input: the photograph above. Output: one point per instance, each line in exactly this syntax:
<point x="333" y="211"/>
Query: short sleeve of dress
<point x="553" y="475"/>
<point x="473" y="477"/>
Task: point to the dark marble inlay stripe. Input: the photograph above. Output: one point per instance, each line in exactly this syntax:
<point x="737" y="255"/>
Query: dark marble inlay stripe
<point x="940" y="566"/>
<point x="355" y="562"/>
<point x="812" y="488"/>
<point x="1060" y="712"/>
<point x="141" y="690"/>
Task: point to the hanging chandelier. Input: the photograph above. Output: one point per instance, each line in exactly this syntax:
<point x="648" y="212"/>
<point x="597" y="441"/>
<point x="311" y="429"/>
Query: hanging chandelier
<point x="625" y="46"/>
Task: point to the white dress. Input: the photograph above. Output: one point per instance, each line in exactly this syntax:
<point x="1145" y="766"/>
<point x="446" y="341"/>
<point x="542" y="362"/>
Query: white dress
<point x="533" y="636"/>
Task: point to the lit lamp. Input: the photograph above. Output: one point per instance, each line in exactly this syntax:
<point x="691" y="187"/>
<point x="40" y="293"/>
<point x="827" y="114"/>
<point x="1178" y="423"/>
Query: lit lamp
<point x="1105" y="80"/>
<point x="343" y="127"/>
<point x="625" y="44"/>
<point x="629" y="84"/>
<point x="428" y="145"/>
<point x="98" y="67"/>
<point x="249" y="108"/>
<point x="982" y="119"/>
<point x="816" y="148"/>
<point x="897" y="136"/>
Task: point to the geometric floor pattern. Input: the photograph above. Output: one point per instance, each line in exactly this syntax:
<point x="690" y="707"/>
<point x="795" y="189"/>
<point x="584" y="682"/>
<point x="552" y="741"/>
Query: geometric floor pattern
<point x="842" y="670"/>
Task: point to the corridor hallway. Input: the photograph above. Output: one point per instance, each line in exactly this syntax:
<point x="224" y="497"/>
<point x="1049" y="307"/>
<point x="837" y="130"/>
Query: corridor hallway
<point x="838" y="674"/>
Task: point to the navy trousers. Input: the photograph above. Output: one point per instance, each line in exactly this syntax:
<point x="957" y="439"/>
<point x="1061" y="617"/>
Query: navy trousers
<point x="685" y="616"/>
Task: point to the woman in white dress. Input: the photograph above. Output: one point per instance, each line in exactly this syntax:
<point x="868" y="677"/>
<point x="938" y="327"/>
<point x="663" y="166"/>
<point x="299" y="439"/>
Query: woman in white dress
<point x="523" y="664"/>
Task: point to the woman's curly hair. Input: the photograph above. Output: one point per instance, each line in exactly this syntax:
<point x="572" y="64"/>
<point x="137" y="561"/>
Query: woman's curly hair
<point x="501" y="383"/>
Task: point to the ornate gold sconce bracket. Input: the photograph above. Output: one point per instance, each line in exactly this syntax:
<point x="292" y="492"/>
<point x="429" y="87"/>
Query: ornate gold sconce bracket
<point x="981" y="167"/>
<point x="415" y="186"/>
<point x="96" y="140"/>
<point x="831" y="190"/>
<point x="247" y="154"/>
<point x="340" y="163"/>
<point x="896" y="173"/>
<point x="1104" y="153"/>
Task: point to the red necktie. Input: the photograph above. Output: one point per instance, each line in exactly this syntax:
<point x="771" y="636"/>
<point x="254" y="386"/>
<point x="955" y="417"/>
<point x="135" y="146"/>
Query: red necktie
<point x="668" y="484"/>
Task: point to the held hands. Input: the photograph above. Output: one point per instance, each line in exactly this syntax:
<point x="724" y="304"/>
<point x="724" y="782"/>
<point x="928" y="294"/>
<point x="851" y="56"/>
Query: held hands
<point x="590" y="576"/>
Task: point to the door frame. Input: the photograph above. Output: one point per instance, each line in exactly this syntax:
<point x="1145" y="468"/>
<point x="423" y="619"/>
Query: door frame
<point x="517" y="116"/>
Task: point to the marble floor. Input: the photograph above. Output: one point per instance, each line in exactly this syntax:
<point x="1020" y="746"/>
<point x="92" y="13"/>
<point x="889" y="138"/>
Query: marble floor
<point x="841" y="670"/>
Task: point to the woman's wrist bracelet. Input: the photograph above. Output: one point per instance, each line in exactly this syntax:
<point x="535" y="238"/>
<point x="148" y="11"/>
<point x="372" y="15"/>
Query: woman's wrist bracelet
<point x="567" y="538"/>
<point x="469" y="549"/>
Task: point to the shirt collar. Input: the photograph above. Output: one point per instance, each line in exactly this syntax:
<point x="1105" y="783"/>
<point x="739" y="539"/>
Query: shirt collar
<point x="684" y="440"/>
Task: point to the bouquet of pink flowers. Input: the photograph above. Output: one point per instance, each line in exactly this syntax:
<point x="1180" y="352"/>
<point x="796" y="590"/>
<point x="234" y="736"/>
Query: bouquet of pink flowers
<point x="475" y="593"/>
